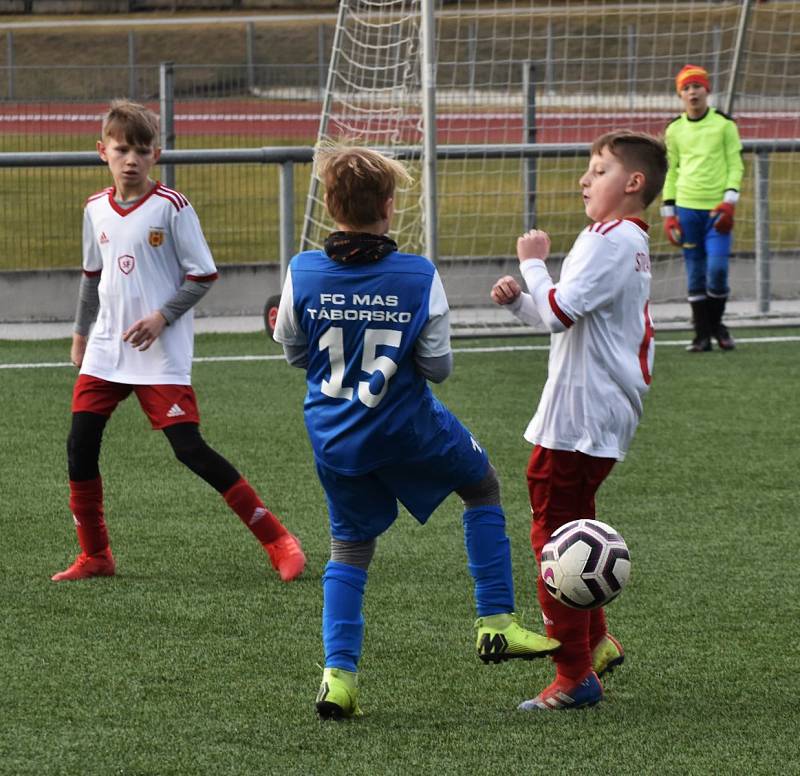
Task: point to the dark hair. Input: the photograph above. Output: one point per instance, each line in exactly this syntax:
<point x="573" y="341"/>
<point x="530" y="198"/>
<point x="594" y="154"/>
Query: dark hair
<point x="137" y="124"/>
<point x="638" y="152"/>
<point x="357" y="181"/>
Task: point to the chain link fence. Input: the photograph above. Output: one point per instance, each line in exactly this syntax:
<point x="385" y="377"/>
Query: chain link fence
<point x="215" y="106"/>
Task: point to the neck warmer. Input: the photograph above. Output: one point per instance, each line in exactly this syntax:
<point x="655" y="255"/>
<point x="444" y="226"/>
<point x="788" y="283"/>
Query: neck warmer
<point x="358" y="247"/>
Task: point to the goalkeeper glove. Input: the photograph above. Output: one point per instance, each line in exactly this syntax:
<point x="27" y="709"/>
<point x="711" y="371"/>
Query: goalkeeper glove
<point x="722" y="217"/>
<point x="672" y="227"/>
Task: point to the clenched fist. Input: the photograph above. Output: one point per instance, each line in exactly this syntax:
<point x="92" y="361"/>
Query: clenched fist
<point x="506" y="290"/>
<point x="533" y="245"/>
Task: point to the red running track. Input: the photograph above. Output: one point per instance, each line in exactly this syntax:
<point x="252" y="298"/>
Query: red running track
<point x="268" y="121"/>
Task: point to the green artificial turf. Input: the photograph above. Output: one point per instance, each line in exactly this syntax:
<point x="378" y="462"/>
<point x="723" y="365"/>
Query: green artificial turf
<point x="196" y="659"/>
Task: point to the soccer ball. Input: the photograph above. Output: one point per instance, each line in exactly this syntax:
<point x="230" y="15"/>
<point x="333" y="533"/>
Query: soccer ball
<point x="585" y="564"/>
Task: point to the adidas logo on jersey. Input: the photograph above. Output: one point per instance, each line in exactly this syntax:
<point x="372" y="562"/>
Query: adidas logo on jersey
<point x="103" y="238"/>
<point x="175" y="411"/>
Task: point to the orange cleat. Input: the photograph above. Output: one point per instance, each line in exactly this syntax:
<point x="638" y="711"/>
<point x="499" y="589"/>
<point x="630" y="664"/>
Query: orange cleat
<point x="287" y="556"/>
<point x="101" y="564"/>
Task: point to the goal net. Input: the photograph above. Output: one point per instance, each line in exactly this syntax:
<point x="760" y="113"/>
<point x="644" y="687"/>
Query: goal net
<point x="558" y="74"/>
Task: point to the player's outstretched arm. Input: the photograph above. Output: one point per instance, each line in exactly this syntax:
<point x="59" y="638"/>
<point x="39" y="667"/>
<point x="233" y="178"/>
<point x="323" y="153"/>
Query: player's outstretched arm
<point x="145" y="331"/>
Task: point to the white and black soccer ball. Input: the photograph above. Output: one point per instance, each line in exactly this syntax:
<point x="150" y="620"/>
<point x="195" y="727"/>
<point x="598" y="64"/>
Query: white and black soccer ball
<point x="585" y="564"/>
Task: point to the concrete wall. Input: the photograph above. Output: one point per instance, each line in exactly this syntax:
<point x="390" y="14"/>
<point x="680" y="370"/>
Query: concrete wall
<point x="243" y="289"/>
<point x="51" y="295"/>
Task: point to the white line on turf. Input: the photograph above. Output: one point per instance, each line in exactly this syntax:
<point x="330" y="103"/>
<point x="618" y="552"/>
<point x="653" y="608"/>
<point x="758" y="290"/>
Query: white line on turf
<point x="487" y="349"/>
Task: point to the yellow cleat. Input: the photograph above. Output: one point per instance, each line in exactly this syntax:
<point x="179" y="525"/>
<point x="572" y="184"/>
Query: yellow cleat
<point x="607" y="655"/>
<point x="501" y="637"/>
<point x="338" y="695"/>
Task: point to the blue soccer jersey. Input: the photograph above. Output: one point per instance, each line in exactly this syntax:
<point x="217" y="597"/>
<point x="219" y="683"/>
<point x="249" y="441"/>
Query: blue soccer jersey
<point x="367" y="406"/>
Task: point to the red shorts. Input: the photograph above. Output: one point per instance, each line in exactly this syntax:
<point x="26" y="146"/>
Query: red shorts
<point x="164" y="405"/>
<point x="562" y="484"/>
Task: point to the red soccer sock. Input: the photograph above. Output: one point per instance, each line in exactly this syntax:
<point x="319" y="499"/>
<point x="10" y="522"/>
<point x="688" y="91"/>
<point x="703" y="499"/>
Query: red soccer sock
<point x="243" y="500"/>
<point x="86" y="503"/>
<point x="597" y="627"/>
<point x="571" y="627"/>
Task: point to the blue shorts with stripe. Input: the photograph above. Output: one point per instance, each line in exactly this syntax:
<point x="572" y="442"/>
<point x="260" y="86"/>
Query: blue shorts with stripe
<point x="363" y="506"/>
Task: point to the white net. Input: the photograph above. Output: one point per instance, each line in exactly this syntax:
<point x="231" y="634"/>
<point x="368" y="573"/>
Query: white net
<point x="549" y="72"/>
<point x="373" y="99"/>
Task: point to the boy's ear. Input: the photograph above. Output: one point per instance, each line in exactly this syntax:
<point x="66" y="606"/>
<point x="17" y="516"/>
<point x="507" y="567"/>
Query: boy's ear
<point x="101" y="150"/>
<point x="388" y="208"/>
<point x="156" y="154"/>
<point x="635" y="183"/>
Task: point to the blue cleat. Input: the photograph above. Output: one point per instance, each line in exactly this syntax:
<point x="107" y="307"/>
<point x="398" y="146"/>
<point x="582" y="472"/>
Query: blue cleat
<point x="562" y="695"/>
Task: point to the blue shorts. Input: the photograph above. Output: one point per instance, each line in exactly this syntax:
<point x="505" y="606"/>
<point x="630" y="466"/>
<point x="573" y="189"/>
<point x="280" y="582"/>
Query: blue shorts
<point x="361" y="507"/>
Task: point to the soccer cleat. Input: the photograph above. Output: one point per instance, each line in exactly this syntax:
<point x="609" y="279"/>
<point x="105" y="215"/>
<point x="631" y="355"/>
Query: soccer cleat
<point x="287" y="556"/>
<point x="501" y="637"/>
<point x="724" y="338"/>
<point x="607" y="655"/>
<point x="562" y="694"/>
<point x="699" y="345"/>
<point x="338" y="695"/>
<point x="101" y="564"/>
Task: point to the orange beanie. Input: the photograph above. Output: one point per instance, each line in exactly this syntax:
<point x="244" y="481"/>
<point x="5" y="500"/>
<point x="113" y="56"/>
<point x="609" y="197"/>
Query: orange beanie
<point x="692" y="74"/>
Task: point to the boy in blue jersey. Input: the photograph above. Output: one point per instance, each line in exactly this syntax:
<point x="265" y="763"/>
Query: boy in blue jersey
<point x="370" y="325"/>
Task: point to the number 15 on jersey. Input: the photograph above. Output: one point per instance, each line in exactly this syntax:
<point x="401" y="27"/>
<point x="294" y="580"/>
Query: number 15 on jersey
<point x="371" y="362"/>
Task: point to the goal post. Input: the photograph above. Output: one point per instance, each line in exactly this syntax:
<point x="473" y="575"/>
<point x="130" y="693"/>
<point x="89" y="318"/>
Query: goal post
<point x="556" y="74"/>
<point x="373" y="98"/>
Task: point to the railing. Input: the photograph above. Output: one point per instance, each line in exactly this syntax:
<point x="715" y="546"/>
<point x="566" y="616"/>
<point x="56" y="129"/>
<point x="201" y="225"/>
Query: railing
<point x="289" y="156"/>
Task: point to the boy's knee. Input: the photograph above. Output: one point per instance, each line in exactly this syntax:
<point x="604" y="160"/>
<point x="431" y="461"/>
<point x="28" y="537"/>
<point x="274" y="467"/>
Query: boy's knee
<point x="485" y="493"/>
<point x="189" y="447"/>
<point x="83" y="445"/>
<point x="358" y="554"/>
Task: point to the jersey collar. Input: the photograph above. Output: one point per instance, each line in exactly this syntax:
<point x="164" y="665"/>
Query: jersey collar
<point x="124" y="211"/>
<point x="643" y="225"/>
<point x="699" y="118"/>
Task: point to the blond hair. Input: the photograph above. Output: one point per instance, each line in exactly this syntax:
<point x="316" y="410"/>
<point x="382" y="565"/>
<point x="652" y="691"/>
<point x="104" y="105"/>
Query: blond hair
<point x="131" y="121"/>
<point x="638" y="152"/>
<point x="358" y="182"/>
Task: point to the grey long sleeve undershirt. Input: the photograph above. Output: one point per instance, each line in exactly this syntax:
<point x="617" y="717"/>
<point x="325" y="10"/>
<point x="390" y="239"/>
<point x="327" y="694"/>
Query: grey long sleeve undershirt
<point x="186" y="297"/>
<point x="88" y="304"/>
<point x="434" y="368"/>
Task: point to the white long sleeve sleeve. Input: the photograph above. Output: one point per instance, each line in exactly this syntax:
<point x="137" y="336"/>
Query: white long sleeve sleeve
<point x="542" y="295"/>
<point x="524" y="309"/>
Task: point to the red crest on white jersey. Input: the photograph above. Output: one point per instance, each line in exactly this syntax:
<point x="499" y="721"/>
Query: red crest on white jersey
<point x="126" y="263"/>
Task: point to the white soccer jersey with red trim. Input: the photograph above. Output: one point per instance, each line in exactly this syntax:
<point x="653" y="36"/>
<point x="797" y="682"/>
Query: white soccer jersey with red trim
<point x="601" y="349"/>
<point x="144" y="253"/>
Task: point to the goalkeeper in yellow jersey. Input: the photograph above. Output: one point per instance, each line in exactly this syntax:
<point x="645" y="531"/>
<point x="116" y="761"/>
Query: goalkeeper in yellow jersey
<point x="700" y="195"/>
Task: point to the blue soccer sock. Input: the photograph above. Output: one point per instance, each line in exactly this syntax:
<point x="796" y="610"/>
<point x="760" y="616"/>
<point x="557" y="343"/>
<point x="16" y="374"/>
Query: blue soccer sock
<point x="342" y="621"/>
<point x="489" y="559"/>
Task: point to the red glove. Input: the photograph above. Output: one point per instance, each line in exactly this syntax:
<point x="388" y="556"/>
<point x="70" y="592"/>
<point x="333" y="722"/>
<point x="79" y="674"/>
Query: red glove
<point x="672" y="228"/>
<point x="722" y="217"/>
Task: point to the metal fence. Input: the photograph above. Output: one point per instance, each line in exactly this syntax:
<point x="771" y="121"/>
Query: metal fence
<point x="252" y="99"/>
<point x="285" y="160"/>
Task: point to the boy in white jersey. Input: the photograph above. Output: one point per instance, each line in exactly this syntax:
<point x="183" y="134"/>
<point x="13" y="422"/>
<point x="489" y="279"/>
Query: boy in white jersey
<point x="601" y="358"/>
<point x="145" y="265"/>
